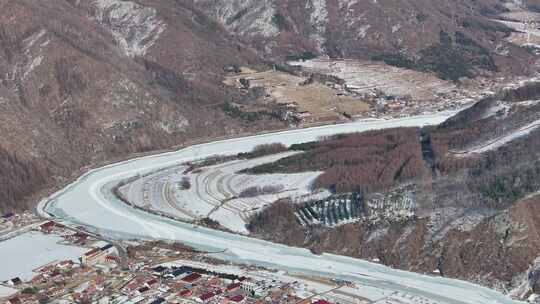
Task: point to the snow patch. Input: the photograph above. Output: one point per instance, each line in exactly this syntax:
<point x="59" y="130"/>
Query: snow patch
<point x="362" y="31"/>
<point x="245" y="17"/>
<point x="135" y="28"/>
<point x="319" y="21"/>
<point x="20" y="255"/>
<point x="30" y="41"/>
<point x="32" y="66"/>
<point x="500" y="109"/>
<point x="6" y="291"/>
<point x="447" y="219"/>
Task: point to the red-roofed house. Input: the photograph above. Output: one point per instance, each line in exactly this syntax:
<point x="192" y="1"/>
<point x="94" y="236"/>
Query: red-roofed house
<point x="191" y="277"/>
<point x="151" y="282"/>
<point x="112" y="259"/>
<point x="65" y="264"/>
<point x="186" y="293"/>
<point x="207" y="296"/>
<point x="94" y="256"/>
<point x="233" y="286"/>
<point x="14" y="301"/>
<point x="321" y="301"/>
<point x="47" y="227"/>
<point x="237" y="298"/>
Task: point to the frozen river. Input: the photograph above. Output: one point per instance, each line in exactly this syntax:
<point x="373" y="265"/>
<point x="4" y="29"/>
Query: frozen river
<point x="90" y="203"/>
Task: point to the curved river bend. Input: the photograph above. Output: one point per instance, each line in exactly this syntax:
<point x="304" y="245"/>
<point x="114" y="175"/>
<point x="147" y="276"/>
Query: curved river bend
<point x="89" y="202"/>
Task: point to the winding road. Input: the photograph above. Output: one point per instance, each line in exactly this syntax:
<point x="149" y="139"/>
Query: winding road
<point x="89" y="202"/>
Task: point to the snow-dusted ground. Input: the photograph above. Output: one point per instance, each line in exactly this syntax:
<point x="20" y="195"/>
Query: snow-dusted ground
<point x="444" y="220"/>
<point x="306" y="286"/>
<point x="501" y="141"/>
<point x="89" y="202"/>
<point x="20" y="255"/>
<point x="215" y="191"/>
<point x="6" y="291"/>
<point x="135" y="28"/>
<point x="364" y="76"/>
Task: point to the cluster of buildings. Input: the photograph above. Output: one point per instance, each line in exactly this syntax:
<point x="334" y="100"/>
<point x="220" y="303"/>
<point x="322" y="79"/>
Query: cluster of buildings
<point x="70" y="236"/>
<point x="13" y="223"/>
<point x="57" y="278"/>
<point x="151" y="272"/>
<point x="146" y="283"/>
<point x="183" y="285"/>
<point x="187" y="284"/>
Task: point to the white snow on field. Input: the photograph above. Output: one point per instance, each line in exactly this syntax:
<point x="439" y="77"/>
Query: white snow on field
<point x="215" y="191"/>
<point x="86" y="202"/>
<point x="135" y="28"/>
<point x="403" y="298"/>
<point x="6" y="291"/>
<point x="364" y="76"/>
<point x="19" y="256"/>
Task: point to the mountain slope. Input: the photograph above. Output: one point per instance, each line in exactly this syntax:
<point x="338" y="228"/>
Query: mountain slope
<point x="86" y="81"/>
<point x="411" y="33"/>
<point x="83" y="82"/>
<point x="475" y="209"/>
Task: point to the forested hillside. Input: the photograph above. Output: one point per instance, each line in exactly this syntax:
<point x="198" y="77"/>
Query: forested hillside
<point x="85" y="82"/>
<point x="473" y="182"/>
<point x="366" y="162"/>
<point x="18" y="178"/>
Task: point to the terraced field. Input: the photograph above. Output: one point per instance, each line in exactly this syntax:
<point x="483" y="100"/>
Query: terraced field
<point x="215" y="191"/>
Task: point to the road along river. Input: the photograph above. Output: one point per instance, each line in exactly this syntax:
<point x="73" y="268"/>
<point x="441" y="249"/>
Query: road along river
<point x="89" y="202"/>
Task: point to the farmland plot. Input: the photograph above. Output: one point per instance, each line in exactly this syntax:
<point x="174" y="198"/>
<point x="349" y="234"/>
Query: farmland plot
<point x="215" y="192"/>
<point x="365" y="76"/>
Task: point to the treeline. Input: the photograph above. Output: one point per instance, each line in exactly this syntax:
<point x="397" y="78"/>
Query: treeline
<point x="529" y="91"/>
<point x="263" y="150"/>
<point x="360" y="162"/>
<point x="484" y="121"/>
<point x="278" y="223"/>
<point x="494" y="178"/>
<point x="508" y="174"/>
<point x="453" y="57"/>
<point x="257" y="190"/>
<point x="18" y="180"/>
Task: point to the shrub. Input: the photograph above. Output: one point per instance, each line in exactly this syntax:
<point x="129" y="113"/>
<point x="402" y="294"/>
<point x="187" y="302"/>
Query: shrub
<point x="257" y="191"/>
<point x="264" y="149"/>
<point x="185" y="183"/>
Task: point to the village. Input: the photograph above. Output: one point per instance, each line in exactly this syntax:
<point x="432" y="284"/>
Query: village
<point x="323" y="90"/>
<point x="144" y="272"/>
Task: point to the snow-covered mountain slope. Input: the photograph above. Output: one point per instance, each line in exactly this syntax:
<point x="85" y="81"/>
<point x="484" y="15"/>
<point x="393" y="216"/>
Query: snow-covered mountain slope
<point x="84" y="81"/>
<point x="135" y="28"/>
<point x="398" y="32"/>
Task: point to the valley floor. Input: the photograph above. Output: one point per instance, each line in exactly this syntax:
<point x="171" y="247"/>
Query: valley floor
<point x="89" y="202"/>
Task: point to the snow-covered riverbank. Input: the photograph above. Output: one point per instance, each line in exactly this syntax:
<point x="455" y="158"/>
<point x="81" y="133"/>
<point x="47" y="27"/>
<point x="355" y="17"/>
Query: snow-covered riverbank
<point x="89" y="202"/>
